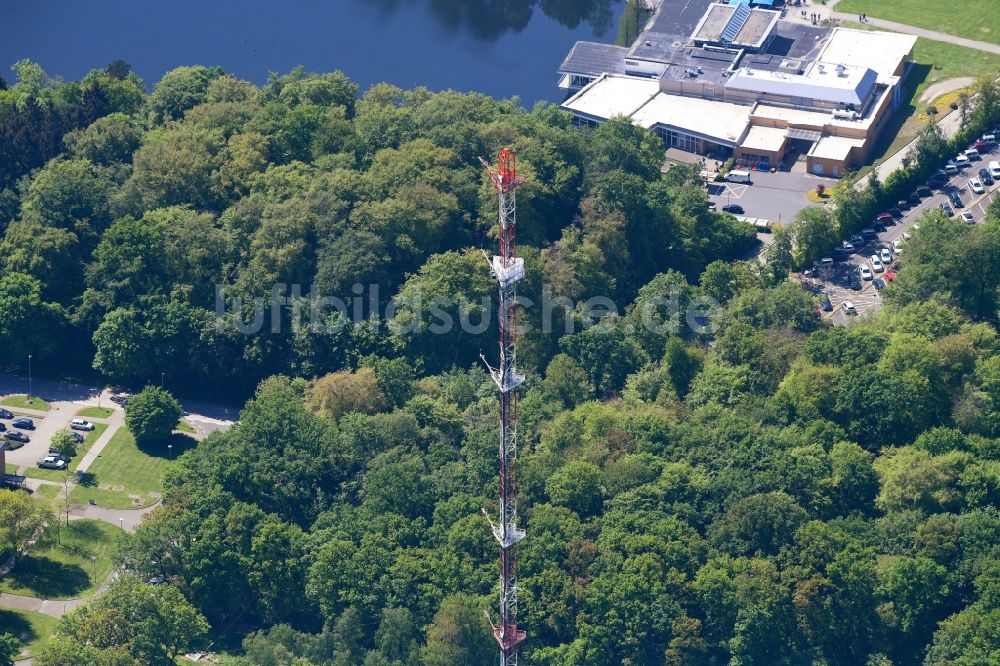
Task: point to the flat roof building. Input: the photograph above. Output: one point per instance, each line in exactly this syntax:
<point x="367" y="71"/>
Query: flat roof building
<point x="735" y="78"/>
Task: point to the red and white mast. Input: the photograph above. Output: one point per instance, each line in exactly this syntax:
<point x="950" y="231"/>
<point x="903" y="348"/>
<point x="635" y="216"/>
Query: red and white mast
<point x="508" y="271"/>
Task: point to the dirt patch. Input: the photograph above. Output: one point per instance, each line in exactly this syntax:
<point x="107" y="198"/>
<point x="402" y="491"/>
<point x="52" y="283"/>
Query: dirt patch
<point x="935" y="90"/>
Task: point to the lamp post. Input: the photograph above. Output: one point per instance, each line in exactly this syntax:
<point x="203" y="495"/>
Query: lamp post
<point x="29" y="379"/>
<point x="161" y="378"/>
<point x="121" y="524"/>
<point x="170" y="450"/>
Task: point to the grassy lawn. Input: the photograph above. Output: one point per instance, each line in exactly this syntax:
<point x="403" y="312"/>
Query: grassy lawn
<point x="935" y="61"/>
<point x="50" y="493"/>
<point x="9" y="469"/>
<point x="34" y="629"/>
<point x="57" y="475"/>
<point x="69" y="561"/>
<point x="973" y="19"/>
<point x="96" y="412"/>
<point x="24" y="402"/>
<point x="123" y="469"/>
<point x="184" y="426"/>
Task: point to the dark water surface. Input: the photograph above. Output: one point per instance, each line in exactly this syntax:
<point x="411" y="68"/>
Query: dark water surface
<point x="500" y="47"/>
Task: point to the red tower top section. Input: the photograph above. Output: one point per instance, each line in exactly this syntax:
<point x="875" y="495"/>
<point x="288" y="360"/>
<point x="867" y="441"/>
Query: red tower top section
<point x="505" y="177"/>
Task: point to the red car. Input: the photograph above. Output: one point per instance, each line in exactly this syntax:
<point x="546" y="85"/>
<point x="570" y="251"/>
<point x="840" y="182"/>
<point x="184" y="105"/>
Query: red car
<point x="884" y="218"/>
<point x="979" y="145"/>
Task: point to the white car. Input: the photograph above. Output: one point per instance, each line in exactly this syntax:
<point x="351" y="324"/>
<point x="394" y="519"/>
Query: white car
<point x="849" y="308"/>
<point x="885" y="256"/>
<point x="968" y="218"/>
<point x="897" y="246"/>
<point x="876" y="263"/>
<point x="81" y="424"/>
<point x="52" y="462"/>
<point x="866" y="273"/>
<point x="976" y="185"/>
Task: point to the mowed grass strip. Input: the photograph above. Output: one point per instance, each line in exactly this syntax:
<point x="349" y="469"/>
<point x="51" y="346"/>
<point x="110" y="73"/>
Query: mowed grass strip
<point x="973" y="19"/>
<point x="24" y="402"/>
<point x="81" y="451"/>
<point x="33" y="629"/>
<point x="123" y="469"/>
<point x="68" y="561"/>
<point x="95" y="412"/>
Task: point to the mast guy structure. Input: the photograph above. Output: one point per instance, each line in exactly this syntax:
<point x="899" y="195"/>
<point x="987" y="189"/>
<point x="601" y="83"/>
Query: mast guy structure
<point x="508" y="271"/>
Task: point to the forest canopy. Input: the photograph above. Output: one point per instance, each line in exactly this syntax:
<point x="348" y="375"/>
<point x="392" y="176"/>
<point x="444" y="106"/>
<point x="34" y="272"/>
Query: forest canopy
<point x="709" y="474"/>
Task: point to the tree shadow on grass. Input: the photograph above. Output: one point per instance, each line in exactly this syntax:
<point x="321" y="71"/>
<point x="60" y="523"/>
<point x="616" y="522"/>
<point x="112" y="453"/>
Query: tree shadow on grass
<point x="170" y="448"/>
<point x="46" y="578"/>
<point x="14" y="623"/>
<point x="86" y="479"/>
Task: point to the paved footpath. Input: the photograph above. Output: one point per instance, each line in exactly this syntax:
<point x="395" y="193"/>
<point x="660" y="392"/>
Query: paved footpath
<point x="115" y="421"/>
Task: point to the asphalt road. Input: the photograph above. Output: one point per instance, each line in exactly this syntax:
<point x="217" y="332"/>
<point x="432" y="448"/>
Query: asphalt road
<point x="834" y="279"/>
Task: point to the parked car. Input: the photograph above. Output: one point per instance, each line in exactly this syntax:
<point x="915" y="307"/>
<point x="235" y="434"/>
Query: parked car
<point x="968" y="218"/>
<point x="947" y="209"/>
<point x="924" y="191"/>
<point x="876" y="263"/>
<point x="825" y="304"/>
<point x="849" y="308"/>
<point x="735" y="209"/>
<point x="984" y="175"/>
<point x="994" y="168"/>
<point x="951" y="168"/>
<point x="961" y="161"/>
<point x="866" y="273"/>
<point x="2" y="427"/>
<point x="77" y="437"/>
<point x="847" y="247"/>
<point x="61" y="456"/>
<point x="23" y="423"/>
<point x="16" y="436"/>
<point x="972" y="154"/>
<point x="879" y="283"/>
<point x="711" y="205"/>
<point x="854" y="281"/>
<point x="956" y="199"/>
<point x="885" y="256"/>
<point x="897" y="246"/>
<point x="81" y="424"/>
<point x="885" y="218"/>
<point x="980" y="145"/>
<point x="6" y="414"/>
<point x="52" y="462"/>
<point x="896" y="212"/>
<point x="858" y="240"/>
<point x="976" y="186"/>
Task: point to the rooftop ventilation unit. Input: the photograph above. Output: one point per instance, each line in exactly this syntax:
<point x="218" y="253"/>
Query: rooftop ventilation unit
<point x="841" y="70"/>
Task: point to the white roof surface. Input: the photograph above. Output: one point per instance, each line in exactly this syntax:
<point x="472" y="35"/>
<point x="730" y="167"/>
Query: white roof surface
<point x="808" y="119"/>
<point x="835" y="147"/>
<point x="830" y="82"/>
<point x="764" y="138"/>
<point x="721" y="121"/>
<point x="610" y="96"/>
<point x="881" y="51"/>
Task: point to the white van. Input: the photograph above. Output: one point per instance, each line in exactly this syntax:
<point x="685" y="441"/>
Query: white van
<point x="989" y="138"/>
<point x="972" y="154"/>
<point x="994" y="167"/>
<point x="738" y="176"/>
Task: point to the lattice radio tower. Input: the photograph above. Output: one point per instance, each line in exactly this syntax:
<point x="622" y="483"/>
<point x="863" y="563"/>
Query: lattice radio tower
<point x="508" y="271"/>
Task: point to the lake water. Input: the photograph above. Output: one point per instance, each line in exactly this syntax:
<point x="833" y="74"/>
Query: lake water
<point x="500" y="47"/>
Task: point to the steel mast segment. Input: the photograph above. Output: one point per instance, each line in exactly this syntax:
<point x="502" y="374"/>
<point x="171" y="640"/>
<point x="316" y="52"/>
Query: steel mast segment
<point x="508" y="271"/>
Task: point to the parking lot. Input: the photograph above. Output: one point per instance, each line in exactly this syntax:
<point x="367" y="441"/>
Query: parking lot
<point x="772" y="196"/>
<point x="834" y="279"/>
